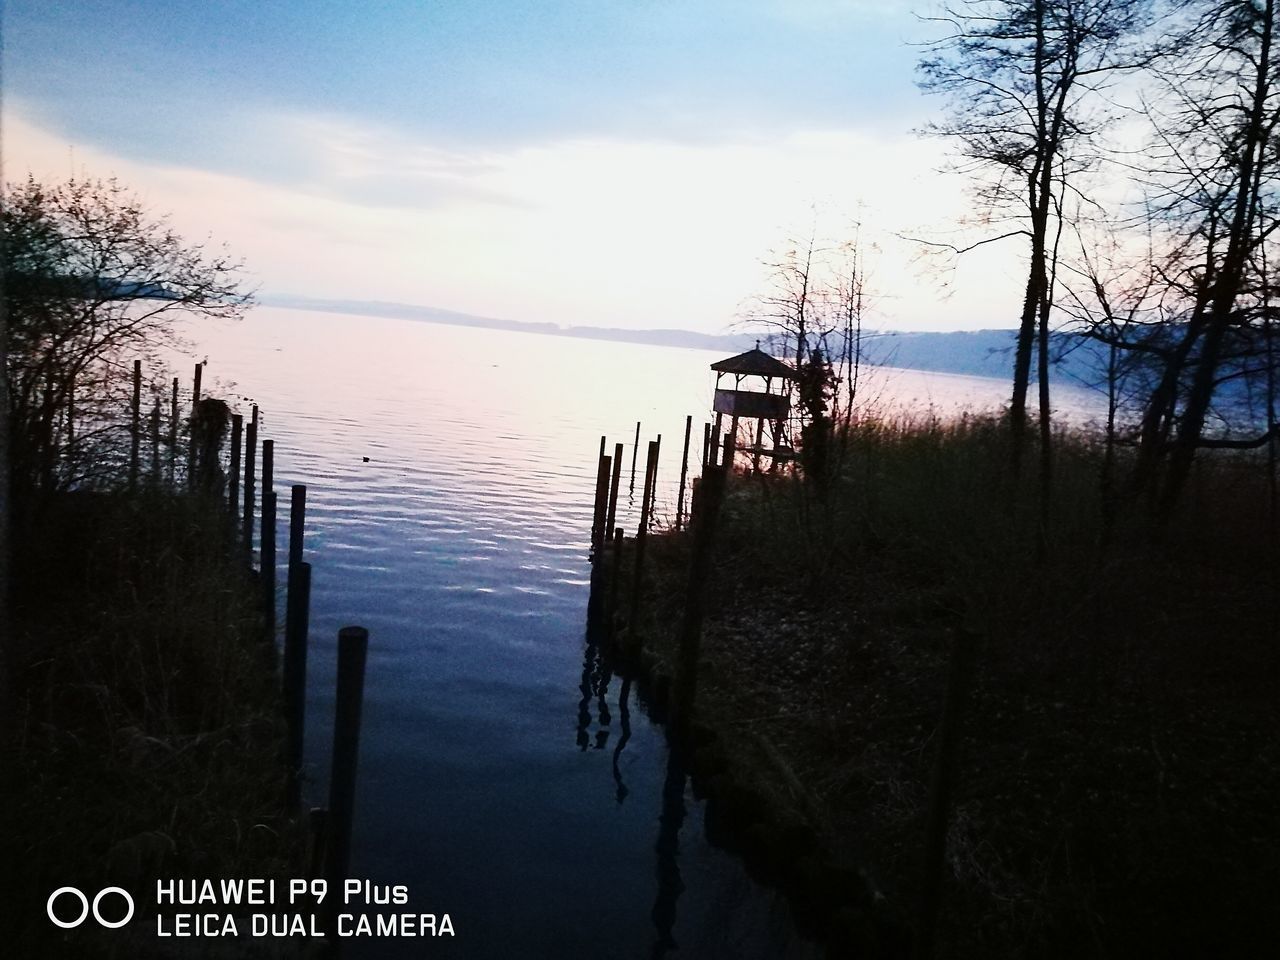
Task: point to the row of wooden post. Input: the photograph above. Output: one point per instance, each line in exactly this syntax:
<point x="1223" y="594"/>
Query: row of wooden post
<point x="609" y="473"/>
<point x="242" y="474"/>
<point x="709" y="494"/>
<point x="333" y="824"/>
<point x="135" y="430"/>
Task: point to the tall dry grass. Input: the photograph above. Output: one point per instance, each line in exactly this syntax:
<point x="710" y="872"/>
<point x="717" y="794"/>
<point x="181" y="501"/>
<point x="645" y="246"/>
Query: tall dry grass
<point x="1121" y="741"/>
<point x="148" y="740"/>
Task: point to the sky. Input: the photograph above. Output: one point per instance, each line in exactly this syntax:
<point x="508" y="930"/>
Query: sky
<point x="631" y="164"/>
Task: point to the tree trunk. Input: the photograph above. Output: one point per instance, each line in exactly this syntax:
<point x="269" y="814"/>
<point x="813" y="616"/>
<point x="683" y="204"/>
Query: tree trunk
<point x="1229" y="281"/>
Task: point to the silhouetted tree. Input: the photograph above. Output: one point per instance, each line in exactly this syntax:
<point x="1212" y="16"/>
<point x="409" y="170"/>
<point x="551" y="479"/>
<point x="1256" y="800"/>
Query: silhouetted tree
<point x="1021" y="78"/>
<point x="1215" y="180"/>
<point x="92" y="283"/>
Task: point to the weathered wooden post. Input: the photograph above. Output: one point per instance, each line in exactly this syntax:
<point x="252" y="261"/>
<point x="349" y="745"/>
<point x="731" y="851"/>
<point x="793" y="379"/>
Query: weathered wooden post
<point x="71" y="419"/>
<point x="296" y="624"/>
<point x="135" y="424"/>
<point x="353" y="646"/>
<point x="297" y="521"/>
<point x="710" y="495"/>
<point x="615" y="579"/>
<point x="637" y="581"/>
<point x="599" y="502"/>
<point x="155" y="443"/>
<point x="635" y="448"/>
<point x="653" y="487"/>
<point x="945" y="768"/>
<point x="250" y="455"/>
<point x="191" y="440"/>
<point x="268" y="466"/>
<point x="268" y="564"/>
<point x="233" y="474"/>
<point x="294" y="671"/>
<point x="601" y="532"/>
<point x="612" y="513"/>
<point x="706" y="444"/>
<point x="684" y="470"/>
<point x="173" y="430"/>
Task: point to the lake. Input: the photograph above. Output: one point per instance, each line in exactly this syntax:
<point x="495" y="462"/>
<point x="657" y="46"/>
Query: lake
<point x="488" y="782"/>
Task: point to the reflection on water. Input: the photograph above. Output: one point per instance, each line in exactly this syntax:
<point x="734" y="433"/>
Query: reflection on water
<point x="668" y="850"/>
<point x="624" y="721"/>
<point x="461" y="543"/>
<point x="596" y="672"/>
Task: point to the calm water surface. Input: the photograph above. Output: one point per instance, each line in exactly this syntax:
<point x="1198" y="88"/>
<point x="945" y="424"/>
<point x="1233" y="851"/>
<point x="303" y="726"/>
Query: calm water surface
<point x="462" y="545"/>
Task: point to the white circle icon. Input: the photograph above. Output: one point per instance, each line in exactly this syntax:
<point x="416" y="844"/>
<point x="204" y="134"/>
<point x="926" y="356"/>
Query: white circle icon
<point x="84" y="907"/>
<point x="127" y="899"/>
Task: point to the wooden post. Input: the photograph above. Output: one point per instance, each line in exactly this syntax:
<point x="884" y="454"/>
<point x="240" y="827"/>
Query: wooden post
<point x="597" y="502"/>
<point x="653" y="487"/>
<point x="635" y="448"/>
<point x="616" y="579"/>
<point x="612" y="512"/>
<point x="945" y="768"/>
<point x="250" y="455"/>
<point x="706" y="444"/>
<point x="602" y="501"/>
<point x="173" y="430"/>
<point x="191" y="440"/>
<point x="155" y="443"/>
<point x="297" y="621"/>
<point x="71" y="419"/>
<point x="637" y="582"/>
<point x="135" y="424"/>
<point x="710" y="494"/>
<point x="297" y="521"/>
<point x="268" y="466"/>
<point x="267" y="563"/>
<point x="684" y="470"/>
<point x="233" y="474"/>
<point x="353" y="646"/>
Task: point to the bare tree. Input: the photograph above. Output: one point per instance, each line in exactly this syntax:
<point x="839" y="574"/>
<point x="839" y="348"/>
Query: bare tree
<point x="793" y="311"/>
<point x="92" y="284"/>
<point x="1216" y="182"/>
<point x="1023" y="80"/>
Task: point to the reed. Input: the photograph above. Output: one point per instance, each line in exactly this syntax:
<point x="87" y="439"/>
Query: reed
<point x="149" y="738"/>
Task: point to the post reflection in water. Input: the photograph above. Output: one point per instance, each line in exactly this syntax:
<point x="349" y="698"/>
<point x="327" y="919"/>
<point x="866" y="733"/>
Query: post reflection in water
<point x="596" y="676"/>
<point x="596" y="670"/>
<point x="624" y="718"/>
<point x="670" y="886"/>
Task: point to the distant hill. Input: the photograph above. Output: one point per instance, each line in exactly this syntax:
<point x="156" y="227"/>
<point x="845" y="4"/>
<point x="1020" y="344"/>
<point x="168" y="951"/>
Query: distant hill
<point x="977" y="353"/>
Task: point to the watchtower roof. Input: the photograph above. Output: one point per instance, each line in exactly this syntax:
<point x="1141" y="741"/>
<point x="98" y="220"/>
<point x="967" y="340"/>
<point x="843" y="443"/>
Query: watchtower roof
<point x="754" y="363"/>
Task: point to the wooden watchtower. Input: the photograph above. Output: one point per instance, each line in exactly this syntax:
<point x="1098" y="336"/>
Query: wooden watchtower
<point x="747" y="401"/>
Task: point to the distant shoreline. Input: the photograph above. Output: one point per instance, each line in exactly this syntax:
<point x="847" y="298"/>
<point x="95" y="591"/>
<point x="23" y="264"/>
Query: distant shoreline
<point x="973" y="353"/>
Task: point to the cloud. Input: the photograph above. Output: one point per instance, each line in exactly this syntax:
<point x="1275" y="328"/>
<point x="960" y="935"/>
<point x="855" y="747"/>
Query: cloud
<point x="581" y="231"/>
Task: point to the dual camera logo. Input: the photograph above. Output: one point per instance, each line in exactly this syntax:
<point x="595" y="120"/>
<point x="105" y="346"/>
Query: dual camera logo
<point x="76" y="894"/>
